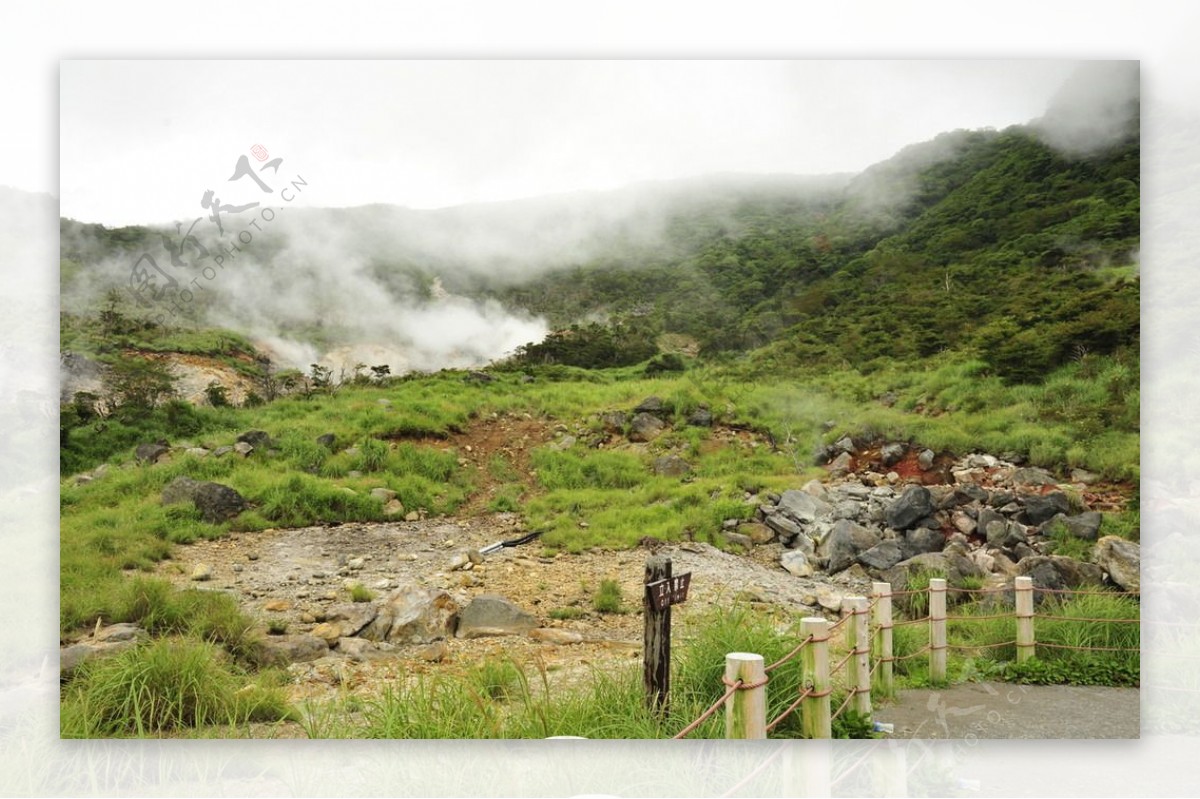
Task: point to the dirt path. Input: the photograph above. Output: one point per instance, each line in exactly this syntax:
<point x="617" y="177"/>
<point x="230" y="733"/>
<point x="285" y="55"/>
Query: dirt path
<point x="1003" y="710"/>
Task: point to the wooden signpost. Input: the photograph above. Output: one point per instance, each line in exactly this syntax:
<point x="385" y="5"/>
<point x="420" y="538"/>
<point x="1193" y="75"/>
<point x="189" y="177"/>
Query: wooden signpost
<point x="662" y="591"/>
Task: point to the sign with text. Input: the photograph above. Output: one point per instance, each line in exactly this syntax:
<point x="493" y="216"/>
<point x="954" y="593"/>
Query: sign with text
<point x="668" y="592"/>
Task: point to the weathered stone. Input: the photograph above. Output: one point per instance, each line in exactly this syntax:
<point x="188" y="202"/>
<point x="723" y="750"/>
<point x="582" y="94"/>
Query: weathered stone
<point x="1040" y="509"/>
<point x="352" y="617"/>
<point x="914" y="504"/>
<point x="841" y="465"/>
<point x="757" y="532"/>
<point x="614" y="421"/>
<point x="844" y="543"/>
<point x="150" y="453"/>
<point x="652" y="405"/>
<point x="1032" y="476"/>
<point x="259" y="439"/>
<point x="181" y="489"/>
<point x="701" y="417"/>
<point x="328" y="440"/>
<point x="201" y="572"/>
<point x="72" y="657"/>
<point x="1084" y="476"/>
<point x="115" y="633"/>
<point x="1005" y="534"/>
<point x="920" y="540"/>
<point x="219" y="451"/>
<point x="243" y="448"/>
<point x="671" y="466"/>
<point x="963" y="522"/>
<point x="1085" y="526"/>
<point x="796" y="562"/>
<point x="801" y="506"/>
<point x="299" y="648"/>
<point x="489" y="614"/>
<point x="328" y="631"/>
<point x="955" y="567"/>
<point x="891" y="454"/>
<point x="785" y="527"/>
<point x="218" y="503"/>
<point x="384" y="495"/>
<point x="966" y="494"/>
<point x="1121" y="560"/>
<point x="553" y="635"/>
<point x="845" y="444"/>
<point x="413" y="615"/>
<point x="196" y="452"/>
<point x="563" y="444"/>
<point x="646" y="427"/>
<point x="883" y="555"/>
<point x="393" y="507"/>
<point x="1057" y="573"/>
<point x="1002" y="499"/>
<point x="358" y="649"/>
<point x="925" y="459"/>
<point x="412" y="516"/>
<point x="479" y="377"/>
<point x="738" y="539"/>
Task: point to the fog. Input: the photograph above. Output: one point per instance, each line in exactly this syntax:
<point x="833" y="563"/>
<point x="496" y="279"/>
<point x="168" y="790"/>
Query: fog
<point x="379" y="282"/>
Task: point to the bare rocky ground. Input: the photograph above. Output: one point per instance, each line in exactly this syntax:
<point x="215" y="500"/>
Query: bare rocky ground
<point x="289" y="577"/>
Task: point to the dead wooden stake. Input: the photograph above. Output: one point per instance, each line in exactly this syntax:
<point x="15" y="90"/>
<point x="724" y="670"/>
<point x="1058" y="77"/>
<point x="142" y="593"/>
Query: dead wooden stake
<point x="656" y="672"/>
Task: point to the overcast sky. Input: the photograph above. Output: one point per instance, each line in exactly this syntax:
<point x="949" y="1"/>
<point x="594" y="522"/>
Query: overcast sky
<point x="142" y="141"/>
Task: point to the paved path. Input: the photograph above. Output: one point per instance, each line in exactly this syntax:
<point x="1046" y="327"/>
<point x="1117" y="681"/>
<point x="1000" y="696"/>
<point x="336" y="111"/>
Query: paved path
<point x="1004" y="710"/>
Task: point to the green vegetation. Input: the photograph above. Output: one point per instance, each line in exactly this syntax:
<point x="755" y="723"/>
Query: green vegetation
<point x="161" y="687"/>
<point x="994" y="308"/>
<point x="608" y="597"/>
<point x="1086" y="639"/>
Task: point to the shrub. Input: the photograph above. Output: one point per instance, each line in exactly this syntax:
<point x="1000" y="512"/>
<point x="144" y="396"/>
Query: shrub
<point x="608" y="597"/>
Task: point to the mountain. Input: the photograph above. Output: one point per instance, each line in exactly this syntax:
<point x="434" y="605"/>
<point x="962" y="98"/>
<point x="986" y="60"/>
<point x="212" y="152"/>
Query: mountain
<point x="995" y="242"/>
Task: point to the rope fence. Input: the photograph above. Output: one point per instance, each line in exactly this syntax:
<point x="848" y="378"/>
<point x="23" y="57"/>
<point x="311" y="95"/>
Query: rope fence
<point x="867" y="659"/>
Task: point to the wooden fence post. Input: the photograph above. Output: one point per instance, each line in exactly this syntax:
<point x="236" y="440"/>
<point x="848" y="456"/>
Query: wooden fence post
<point x="937" y="630"/>
<point x="1024" y="602"/>
<point x="656" y="667"/>
<point x="814" y="710"/>
<point x="746" y="710"/>
<point x="882" y="621"/>
<point x="858" y="676"/>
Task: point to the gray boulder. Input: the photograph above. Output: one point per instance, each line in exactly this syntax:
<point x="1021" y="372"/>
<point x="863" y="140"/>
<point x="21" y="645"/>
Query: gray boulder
<point x="913" y="505"/>
<point x="785" y="527"/>
<point x="652" y="405"/>
<point x="671" y="466"/>
<point x="259" y="439"/>
<point x="1040" y="509"/>
<point x="218" y="503"/>
<point x="920" y="540"/>
<point x="1032" y="476"/>
<point x="646" y="427"/>
<point x="844" y="544"/>
<point x="181" y="489"/>
<point x="489" y="614"/>
<point x="1057" y="573"/>
<point x="1121" y="560"/>
<point x="1085" y="526"/>
<point x="413" y="615"/>
<point x="892" y="454"/>
<point x="757" y="532"/>
<point x="280" y="650"/>
<point x="802" y="507"/>
<point x="1005" y="534"/>
<point x="701" y="417"/>
<point x="925" y="459"/>
<point x="882" y="556"/>
<point x="150" y="453"/>
<point x="796" y="562"/>
<point x="328" y="440"/>
<point x="953" y="565"/>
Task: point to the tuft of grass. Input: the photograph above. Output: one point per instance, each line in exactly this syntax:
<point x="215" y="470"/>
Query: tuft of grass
<point x="608" y="597"/>
<point x="567" y="613"/>
<point x="161" y="687"/>
<point x="360" y="593"/>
